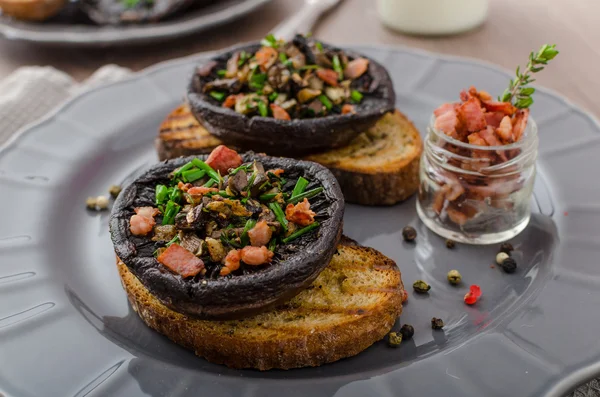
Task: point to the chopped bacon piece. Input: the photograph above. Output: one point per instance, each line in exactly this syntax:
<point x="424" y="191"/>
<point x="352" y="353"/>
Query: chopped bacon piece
<point x="464" y="96"/>
<point x="260" y="234"/>
<point x="231" y="100"/>
<point x="489" y="136"/>
<point x="447" y="122"/>
<point x="476" y="139"/>
<point x="456" y="216"/>
<point x="520" y="123"/>
<point x="493" y="118"/>
<point x="147" y="212"/>
<point x="446" y="107"/>
<point x="140" y="225"/>
<point x="266" y="57"/>
<point x="184" y="187"/>
<point x="328" y="76"/>
<point x="279" y="113"/>
<point x="504" y="107"/>
<point x="255" y="256"/>
<point x="232" y="262"/>
<point x="483" y="95"/>
<point x="505" y="130"/>
<point x="472" y="115"/>
<point x="300" y="213"/>
<point x="356" y="68"/>
<point x="181" y="261"/>
<point x="201" y="190"/>
<point x="277" y="171"/>
<point x="348" y="109"/>
<point x="222" y="159"/>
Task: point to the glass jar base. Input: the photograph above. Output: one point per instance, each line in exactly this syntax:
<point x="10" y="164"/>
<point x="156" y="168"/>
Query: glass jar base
<point x="475" y="239"/>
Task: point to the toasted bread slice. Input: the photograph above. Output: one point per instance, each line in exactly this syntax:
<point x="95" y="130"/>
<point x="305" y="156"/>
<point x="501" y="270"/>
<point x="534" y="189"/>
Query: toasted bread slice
<point x="352" y="304"/>
<point x="379" y="167"/>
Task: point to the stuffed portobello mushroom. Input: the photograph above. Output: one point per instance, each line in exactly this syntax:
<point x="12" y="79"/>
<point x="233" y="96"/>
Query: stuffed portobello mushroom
<point x="289" y="97"/>
<point x="114" y="12"/>
<point x="225" y="236"/>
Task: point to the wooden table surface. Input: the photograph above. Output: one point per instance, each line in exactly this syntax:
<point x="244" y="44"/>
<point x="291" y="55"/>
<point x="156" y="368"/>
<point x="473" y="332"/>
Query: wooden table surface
<point x="514" y="28"/>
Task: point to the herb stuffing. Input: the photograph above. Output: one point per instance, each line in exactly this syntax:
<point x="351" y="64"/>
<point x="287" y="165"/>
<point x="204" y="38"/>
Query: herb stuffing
<point x="288" y="80"/>
<point x="222" y="217"/>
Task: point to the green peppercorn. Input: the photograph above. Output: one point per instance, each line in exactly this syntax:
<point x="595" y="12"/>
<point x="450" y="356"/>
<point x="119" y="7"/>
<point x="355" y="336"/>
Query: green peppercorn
<point x="409" y="234"/>
<point x="506" y="247"/>
<point x="407" y="331"/>
<point x="454" y="277"/>
<point x="394" y="339"/>
<point x="421" y="286"/>
<point x="437" y="323"/>
<point x="509" y="265"/>
<point x="450" y="244"/>
<point x="114" y="190"/>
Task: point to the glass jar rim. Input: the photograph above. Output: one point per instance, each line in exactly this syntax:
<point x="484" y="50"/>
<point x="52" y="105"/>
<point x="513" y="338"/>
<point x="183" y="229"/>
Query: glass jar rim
<point x="529" y="136"/>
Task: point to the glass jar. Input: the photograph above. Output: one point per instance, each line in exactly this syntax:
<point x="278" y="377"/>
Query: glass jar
<point x="477" y="194"/>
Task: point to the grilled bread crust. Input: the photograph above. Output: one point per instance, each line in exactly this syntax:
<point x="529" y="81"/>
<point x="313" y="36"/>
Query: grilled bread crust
<point x="379" y="167"/>
<point x="351" y="305"/>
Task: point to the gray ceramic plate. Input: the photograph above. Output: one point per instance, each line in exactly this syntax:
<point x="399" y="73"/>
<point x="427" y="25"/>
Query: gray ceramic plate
<point x="84" y="33"/>
<point x="66" y="328"/>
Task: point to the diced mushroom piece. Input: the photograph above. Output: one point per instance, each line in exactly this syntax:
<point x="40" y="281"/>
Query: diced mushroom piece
<point x="191" y="242"/>
<point x="249" y="103"/>
<point x="279" y="77"/>
<point x="238" y="182"/>
<point x="196" y="218"/>
<point x="232" y="65"/>
<point x="306" y="95"/>
<point x="313" y="82"/>
<point x="316" y="106"/>
<point x="164" y="233"/>
<point x="206" y="69"/>
<point x="216" y="250"/>
<point x="233" y="86"/>
<point x="295" y="55"/>
<point x="303" y="46"/>
<point x="337" y="95"/>
<point x="222" y="209"/>
<point x="181" y="261"/>
<point x="287" y="105"/>
<point x="260" y="177"/>
<point x="237" y="208"/>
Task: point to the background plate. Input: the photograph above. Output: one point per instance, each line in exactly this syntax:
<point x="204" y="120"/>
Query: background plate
<point x="87" y="34"/>
<point x="66" y="328"/>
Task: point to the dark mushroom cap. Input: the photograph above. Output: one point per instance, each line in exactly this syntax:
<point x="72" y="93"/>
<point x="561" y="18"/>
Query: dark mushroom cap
<point x="295" y="265"/>
<point x="297" y="136"/>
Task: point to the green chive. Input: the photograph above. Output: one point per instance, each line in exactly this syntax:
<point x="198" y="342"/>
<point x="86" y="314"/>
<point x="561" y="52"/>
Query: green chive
<point x="243" y="57"/>
<point x="325" y="101"/>
<point x="224" y="194"/>
<point x="307" y="67"/>
<point x="183" y="168"/>
<point x="170" y="211"/>
<point x="267" y="197"/>
<point x="279" y="215"/>
<point x="193" y="175"/>
<point x="283" y="57"/>
<point x="219" y="96"/>
<point x="273" y="96"/>
<point x="227" y="241"/>
<point x="319" y="46"/>
<point x="269" y="41"/>
<point x="262" y="109"/>
<point x="309" y="194"/>
<point x="301" y="232"/>
<point x="161" y="194"/>
<point x="175" y="195"/>
<point x="273" y="244"/>
<point x="250" y="223"/>
<point x="174" y="240"/>
<point x="257" y="81"/>
<point x="337" y="66"/>
<point x="356" y="96"/>
<point x="207" y="168"/>
<point x="221" y="73"/>
<point x="301" y="185"/>
<point x="210" y="183"/>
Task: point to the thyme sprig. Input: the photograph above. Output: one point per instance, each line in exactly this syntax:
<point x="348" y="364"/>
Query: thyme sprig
<point x="517" y="91"/>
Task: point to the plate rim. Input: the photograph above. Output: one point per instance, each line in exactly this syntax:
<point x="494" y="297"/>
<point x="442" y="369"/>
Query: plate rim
<point x="134" y="35"/>
<point x="584" y="372"/>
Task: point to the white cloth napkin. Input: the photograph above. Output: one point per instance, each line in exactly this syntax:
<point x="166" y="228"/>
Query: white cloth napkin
<point x="31" y="92"/>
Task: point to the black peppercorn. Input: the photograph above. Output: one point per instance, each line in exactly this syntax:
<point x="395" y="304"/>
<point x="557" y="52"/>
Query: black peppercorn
<point x="450" y="244"/>
<point x="407" y="331"/>
<point x="437" y="323"/>
<point x="409" y="234"/>
<point x="506" y="247"/>
<point x="509" y="265"/>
